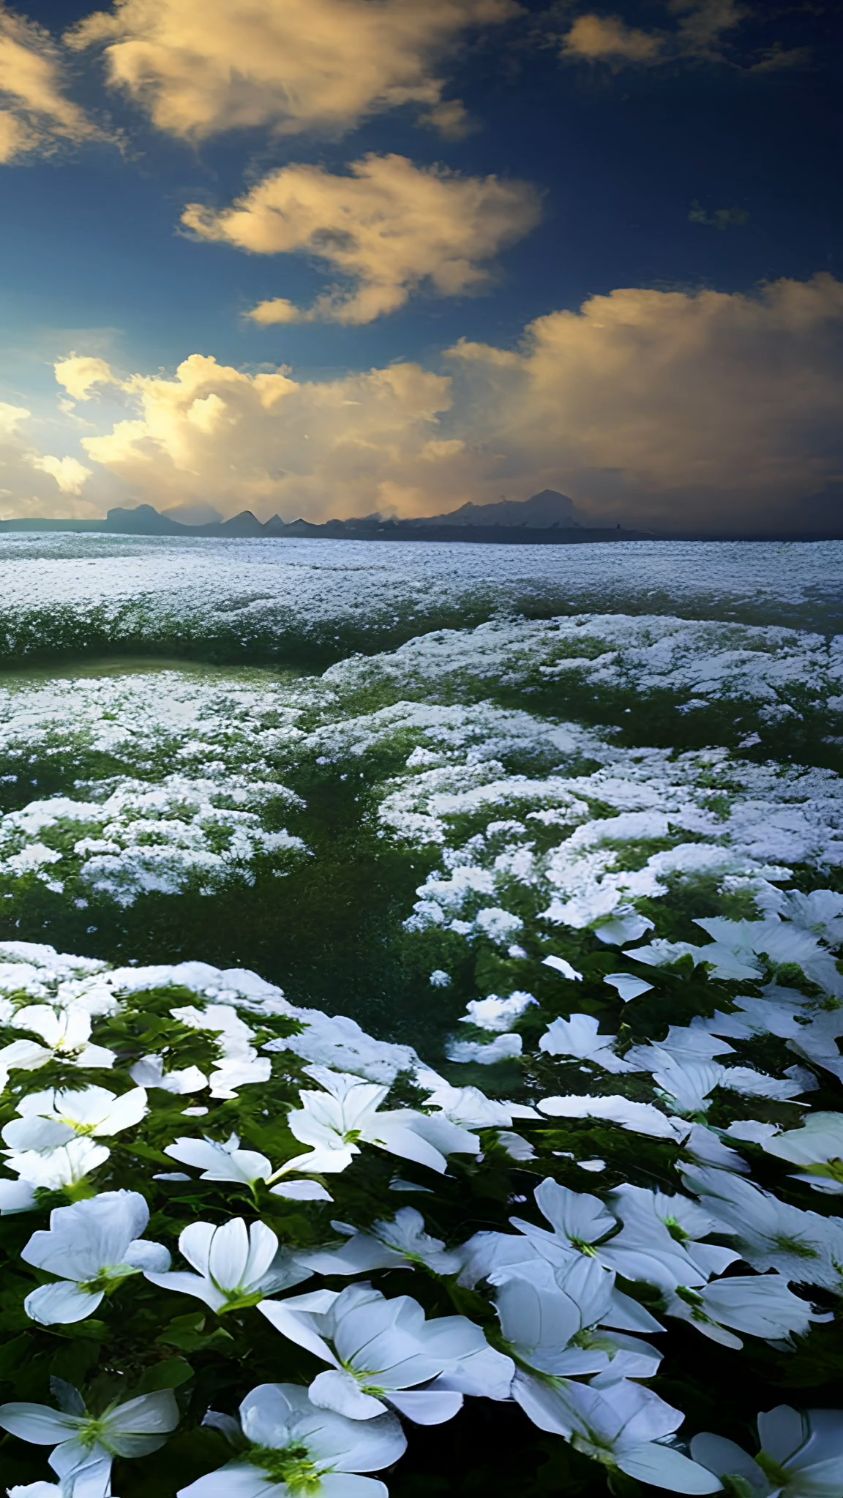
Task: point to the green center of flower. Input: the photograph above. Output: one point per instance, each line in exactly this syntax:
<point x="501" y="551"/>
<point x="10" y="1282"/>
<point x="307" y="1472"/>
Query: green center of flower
<point x="108" y="1278"/>
<point x="832" y="1169"/>
<point x="795" y="1246"/>
<point x="676" y="1230"/>
<point x="93" y="1433"/>
<point x="291" y="1466"/>
<point x="584" y="1248"/>
<point x="777" y="1475"/>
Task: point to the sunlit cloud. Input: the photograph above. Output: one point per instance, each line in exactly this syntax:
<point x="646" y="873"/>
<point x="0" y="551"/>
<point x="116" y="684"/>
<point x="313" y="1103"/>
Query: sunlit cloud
<point x="32" y="482"/>
<point x="301" y="65"/>
<point x="80" y="374"/>
<point x="387" y="227"/>
<point x="70" y="475"/>
<point x="36" y="115"/>
<point x="597" y="38"/>
<point x="679" y="409"/>
<point x="692" y="30"/>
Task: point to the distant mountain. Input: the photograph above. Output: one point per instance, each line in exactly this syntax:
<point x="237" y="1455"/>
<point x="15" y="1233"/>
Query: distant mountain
<point x="143" y="520"/>
<point x="545" y="517"/>
<point x="544" y="511"/>
<point x="244" y="524"/>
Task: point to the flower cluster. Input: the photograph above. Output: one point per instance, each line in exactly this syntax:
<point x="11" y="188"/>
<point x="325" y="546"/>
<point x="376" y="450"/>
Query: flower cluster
<point x="563" y="1310"/>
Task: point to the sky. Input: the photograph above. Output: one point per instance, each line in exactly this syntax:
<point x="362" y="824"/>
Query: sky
<point x="337" y="257"/>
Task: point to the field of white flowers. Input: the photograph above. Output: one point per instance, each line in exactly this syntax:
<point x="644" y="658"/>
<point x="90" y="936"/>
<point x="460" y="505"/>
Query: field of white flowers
<point x="420" y="1020"/>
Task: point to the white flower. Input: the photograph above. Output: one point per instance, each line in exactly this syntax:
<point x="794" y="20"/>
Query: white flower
<point x="801" y="1455"/>
<point x="553" y="1322"/>
<point x="227" y="1162"/>
<point x="58" y="1168"/>
<point x="563" y="967"/>
<point x="64" y="1036"/>
<point x="579" y="1037"/>
<point x="581" y="1223"/>
<point x="627" y="985"/>
<point x="295" y="1447"/>
<point x="803" y="1246"/>
<point x="818" y="1147"/>
<point x="238" y="1070"/>
<point x="484" y="1053"/>
<point x="236" y="1266"/>
<point x="83" y="1440"/>
<point x="639" y="1118"/>
<point x="401" y="1242"/>
<point x="470" y="1107"/>
<point x="221" y="1162"/>
<point x="624" y="1428"/>
<point x="52" y="1118"/>
<point x="345" y="1114"/>
<point x="761" y="1305"/>
<point x="92" y="1245"/>
<point x="381" y="1350"/>
<point x="150" y="1073"/>
<point x="686" y="1221"/>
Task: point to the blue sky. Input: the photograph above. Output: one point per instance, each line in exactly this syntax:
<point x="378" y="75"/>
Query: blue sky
<point x="668" y="149"/>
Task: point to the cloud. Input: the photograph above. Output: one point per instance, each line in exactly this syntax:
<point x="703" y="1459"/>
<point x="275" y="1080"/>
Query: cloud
<point x="609" y="39"/>
<point x="718" y="218"/>
<point x="81" y="373"/>
<point x="70" y="475"/>
<point x="267" y="442"/>
<point x="387" y="227"/>
<point x="701" y="31"/>
<point x="674" y="407"/>
<point x="12" y="418"/>
<point x="677" y="409"/>
<point x="35" y="113"/>
<point x="32" y="482"/>
<point x="300" y="65"/>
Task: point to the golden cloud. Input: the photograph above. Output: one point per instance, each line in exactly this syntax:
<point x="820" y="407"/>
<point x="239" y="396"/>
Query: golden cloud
<point x="300" y="65"/>
<point x="608" y="39"/>
<point x="665" y="408"/>
<point x="35" y="112"/>
<point x="81" y="373"/>
<point x="32" y="482"/>
<point x="388" y="227"/>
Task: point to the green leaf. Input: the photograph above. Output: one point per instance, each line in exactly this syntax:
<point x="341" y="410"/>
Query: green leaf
<point x="169" y="1374"/>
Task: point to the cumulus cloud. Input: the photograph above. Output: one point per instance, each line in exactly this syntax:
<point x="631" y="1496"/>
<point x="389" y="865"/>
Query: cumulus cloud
<point x="387" y="227"/>
<point x="32" y="482"/>
<point x="673" y="409"/>
<point x="300" y="65"/>
<point x="35" y="113"/>
<point x="81" y="373"/>
<point x="697" y="30"/>
<point x="70" y="475"/>
<point x="268" y="442"/>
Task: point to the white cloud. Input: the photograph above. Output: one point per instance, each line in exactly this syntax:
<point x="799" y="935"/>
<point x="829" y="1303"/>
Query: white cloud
<point x="12" y="418"/>
<point x="387" y="227"/>
<point x="35" y="112"/>
<point x="70" y="475"/>
<point x="32" y="483"/>
<point x="81" y="373"/>
<point x="300" y="64"/>
<point x="673" y="408"/>
<point x="236" y="440"/>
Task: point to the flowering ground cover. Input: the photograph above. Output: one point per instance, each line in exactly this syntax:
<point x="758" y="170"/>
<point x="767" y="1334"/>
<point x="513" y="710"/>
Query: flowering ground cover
<point x="420" y="1036"/>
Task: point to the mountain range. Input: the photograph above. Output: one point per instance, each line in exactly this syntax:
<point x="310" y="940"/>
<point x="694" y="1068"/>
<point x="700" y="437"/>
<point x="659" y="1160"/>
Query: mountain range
<point x="548" y="516"/>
